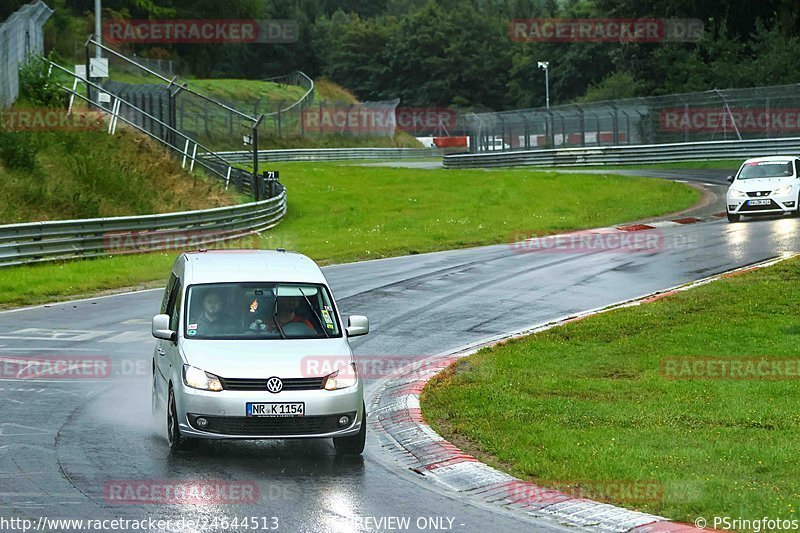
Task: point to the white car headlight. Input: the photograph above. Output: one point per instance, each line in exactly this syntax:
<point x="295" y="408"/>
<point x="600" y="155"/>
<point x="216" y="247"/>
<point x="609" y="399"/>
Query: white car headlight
<point x="734" y="193"/>
<point x="198" y="379"/>
<point x="780" y="191"/>
<point x="343" y="378"/>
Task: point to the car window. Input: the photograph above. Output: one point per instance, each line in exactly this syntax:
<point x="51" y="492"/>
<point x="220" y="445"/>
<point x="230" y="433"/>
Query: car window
<point x="260" y="311"/>
<point x="174" y="307"/>
<point x="168" y="292"/>
<point x="767" y="169"/>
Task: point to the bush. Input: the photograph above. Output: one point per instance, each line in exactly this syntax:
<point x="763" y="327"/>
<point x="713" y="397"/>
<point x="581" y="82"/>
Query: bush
<point x="37" y="87"/>
<point x="18" y="151"/>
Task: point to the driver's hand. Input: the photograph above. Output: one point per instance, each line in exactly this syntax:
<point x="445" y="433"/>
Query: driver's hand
<point x="258" y="325"/>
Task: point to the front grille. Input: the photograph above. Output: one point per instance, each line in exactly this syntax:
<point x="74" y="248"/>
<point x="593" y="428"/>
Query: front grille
<point x="290" y="384"/>
<point x="247" y="425"/>
<point x="758" y="194"/>
<point x="772" y="205"/>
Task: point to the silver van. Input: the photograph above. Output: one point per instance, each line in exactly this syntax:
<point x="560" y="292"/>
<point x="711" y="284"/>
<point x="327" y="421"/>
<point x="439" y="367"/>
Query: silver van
<point x="250" y="345"/>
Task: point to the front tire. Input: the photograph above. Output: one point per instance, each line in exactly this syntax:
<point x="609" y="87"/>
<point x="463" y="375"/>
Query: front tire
<point x="177" y="442"/>
<point x="353" y="445"/>
<point x="733" y="218"/>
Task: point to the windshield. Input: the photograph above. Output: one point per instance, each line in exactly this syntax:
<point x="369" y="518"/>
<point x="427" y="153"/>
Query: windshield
<point x="766" y="169"/>
<point x="260" y="311"/>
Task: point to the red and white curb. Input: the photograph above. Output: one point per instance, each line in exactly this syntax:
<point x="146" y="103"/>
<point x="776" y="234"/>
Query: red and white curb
<point x="396" y="417"/>
<point x="669" y="223"/>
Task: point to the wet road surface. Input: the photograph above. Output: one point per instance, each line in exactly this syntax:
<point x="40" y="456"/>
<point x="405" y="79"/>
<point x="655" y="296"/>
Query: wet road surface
<point x="65" y="443"/>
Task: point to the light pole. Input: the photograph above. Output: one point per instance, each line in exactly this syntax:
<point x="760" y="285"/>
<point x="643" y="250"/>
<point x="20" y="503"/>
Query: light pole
<point x="98" y="27"/>
<point x="545" y="65"/>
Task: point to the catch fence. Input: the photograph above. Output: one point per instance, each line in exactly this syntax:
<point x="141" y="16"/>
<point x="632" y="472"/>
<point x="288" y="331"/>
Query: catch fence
<point x="21" y="36"/>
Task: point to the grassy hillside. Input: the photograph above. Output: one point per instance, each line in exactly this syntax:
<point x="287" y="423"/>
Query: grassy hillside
<point x="65" y="175"/>
<point x="256" y="97"/>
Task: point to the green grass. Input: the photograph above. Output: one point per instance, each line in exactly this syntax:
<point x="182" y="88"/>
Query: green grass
<point x="69" y="175"/>
<point x="340" y="213"/>
<point x="249" y="91"/>
<point x="587" y="401"/>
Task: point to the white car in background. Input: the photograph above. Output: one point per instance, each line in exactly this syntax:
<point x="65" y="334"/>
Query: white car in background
<point x="765" y="186"/>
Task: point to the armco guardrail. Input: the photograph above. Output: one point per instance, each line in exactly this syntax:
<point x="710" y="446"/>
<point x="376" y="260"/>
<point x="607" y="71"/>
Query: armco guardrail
<point x="70" y="239"/>
<point x="331" y="154"/>
<point x="610" y="155"/>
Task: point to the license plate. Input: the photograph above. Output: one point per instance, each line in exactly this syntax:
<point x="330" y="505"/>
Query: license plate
<point x="276" y="409"/>
<point x="758" y="202"/>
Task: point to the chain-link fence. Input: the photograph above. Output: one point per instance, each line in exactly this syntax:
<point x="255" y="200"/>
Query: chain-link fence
<point x="753" y="113"/>
<point x="21" y="36"/>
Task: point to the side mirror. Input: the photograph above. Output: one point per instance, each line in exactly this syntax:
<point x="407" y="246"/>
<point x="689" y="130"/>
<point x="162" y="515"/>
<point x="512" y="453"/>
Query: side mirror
<point x="161" y="328"/>
<point x="357" y="325"/>
<point x="730" y="178"/>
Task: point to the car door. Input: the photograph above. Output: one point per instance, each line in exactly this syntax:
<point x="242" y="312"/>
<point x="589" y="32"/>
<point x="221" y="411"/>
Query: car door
<point x="167" y="351"/>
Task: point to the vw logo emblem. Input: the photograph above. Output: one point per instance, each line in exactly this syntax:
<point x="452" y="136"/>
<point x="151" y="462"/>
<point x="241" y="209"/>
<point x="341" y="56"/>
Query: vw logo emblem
<point x="274" y="385"/>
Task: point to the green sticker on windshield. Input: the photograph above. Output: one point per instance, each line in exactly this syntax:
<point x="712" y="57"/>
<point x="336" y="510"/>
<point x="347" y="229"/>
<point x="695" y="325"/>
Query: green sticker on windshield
<point x="326" y="316"/>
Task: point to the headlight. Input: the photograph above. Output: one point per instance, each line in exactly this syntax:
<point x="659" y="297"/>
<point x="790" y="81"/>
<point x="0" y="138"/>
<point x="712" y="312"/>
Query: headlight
<point x="198" y="379"/>
<point x="780" y="191"/>
<point x="733" y="193"/>
<point x="341" y="379"/>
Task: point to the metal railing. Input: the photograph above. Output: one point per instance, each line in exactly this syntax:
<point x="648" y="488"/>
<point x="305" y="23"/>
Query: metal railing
<point x="610" y="155"/>
<point x="21" y="36"/>
<point x="730" y="114"/>
<point x="171" y="99"/>
<point x="119" y="109"/>
<point x="332" y="154"/>
<point x="70" y="239"/>
<point x="291" y="115"/>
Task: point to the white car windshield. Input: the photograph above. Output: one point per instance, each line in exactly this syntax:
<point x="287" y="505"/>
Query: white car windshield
<point x="260" y="311"/>
<point x="766" y="169"/>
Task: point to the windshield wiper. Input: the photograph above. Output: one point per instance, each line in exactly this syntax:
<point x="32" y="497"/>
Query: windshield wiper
<point x="275" y="315"/>
<point x="316" y="315"/>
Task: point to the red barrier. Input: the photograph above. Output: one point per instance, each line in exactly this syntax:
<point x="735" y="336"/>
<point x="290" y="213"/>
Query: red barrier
<point x="450" y="142"/>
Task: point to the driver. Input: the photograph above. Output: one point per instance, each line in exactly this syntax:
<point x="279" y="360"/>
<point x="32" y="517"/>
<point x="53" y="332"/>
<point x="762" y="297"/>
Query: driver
<point x="287" y="311"/>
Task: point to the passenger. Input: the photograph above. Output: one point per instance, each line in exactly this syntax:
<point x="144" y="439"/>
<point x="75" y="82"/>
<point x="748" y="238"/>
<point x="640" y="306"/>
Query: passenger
<point x="213" y="321"/>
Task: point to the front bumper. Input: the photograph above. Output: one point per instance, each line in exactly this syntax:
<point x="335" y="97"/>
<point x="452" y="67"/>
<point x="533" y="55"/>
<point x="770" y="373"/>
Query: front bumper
<point x="782" y="204"/>
<point x="226" y="414"/>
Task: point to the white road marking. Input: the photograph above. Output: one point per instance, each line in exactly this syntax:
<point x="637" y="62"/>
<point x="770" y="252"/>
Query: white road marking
<point x="67" y="302"/>
<point x="48" y="349"/>
<point x="40" y="334"/>
<point x="18" y="427"/>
